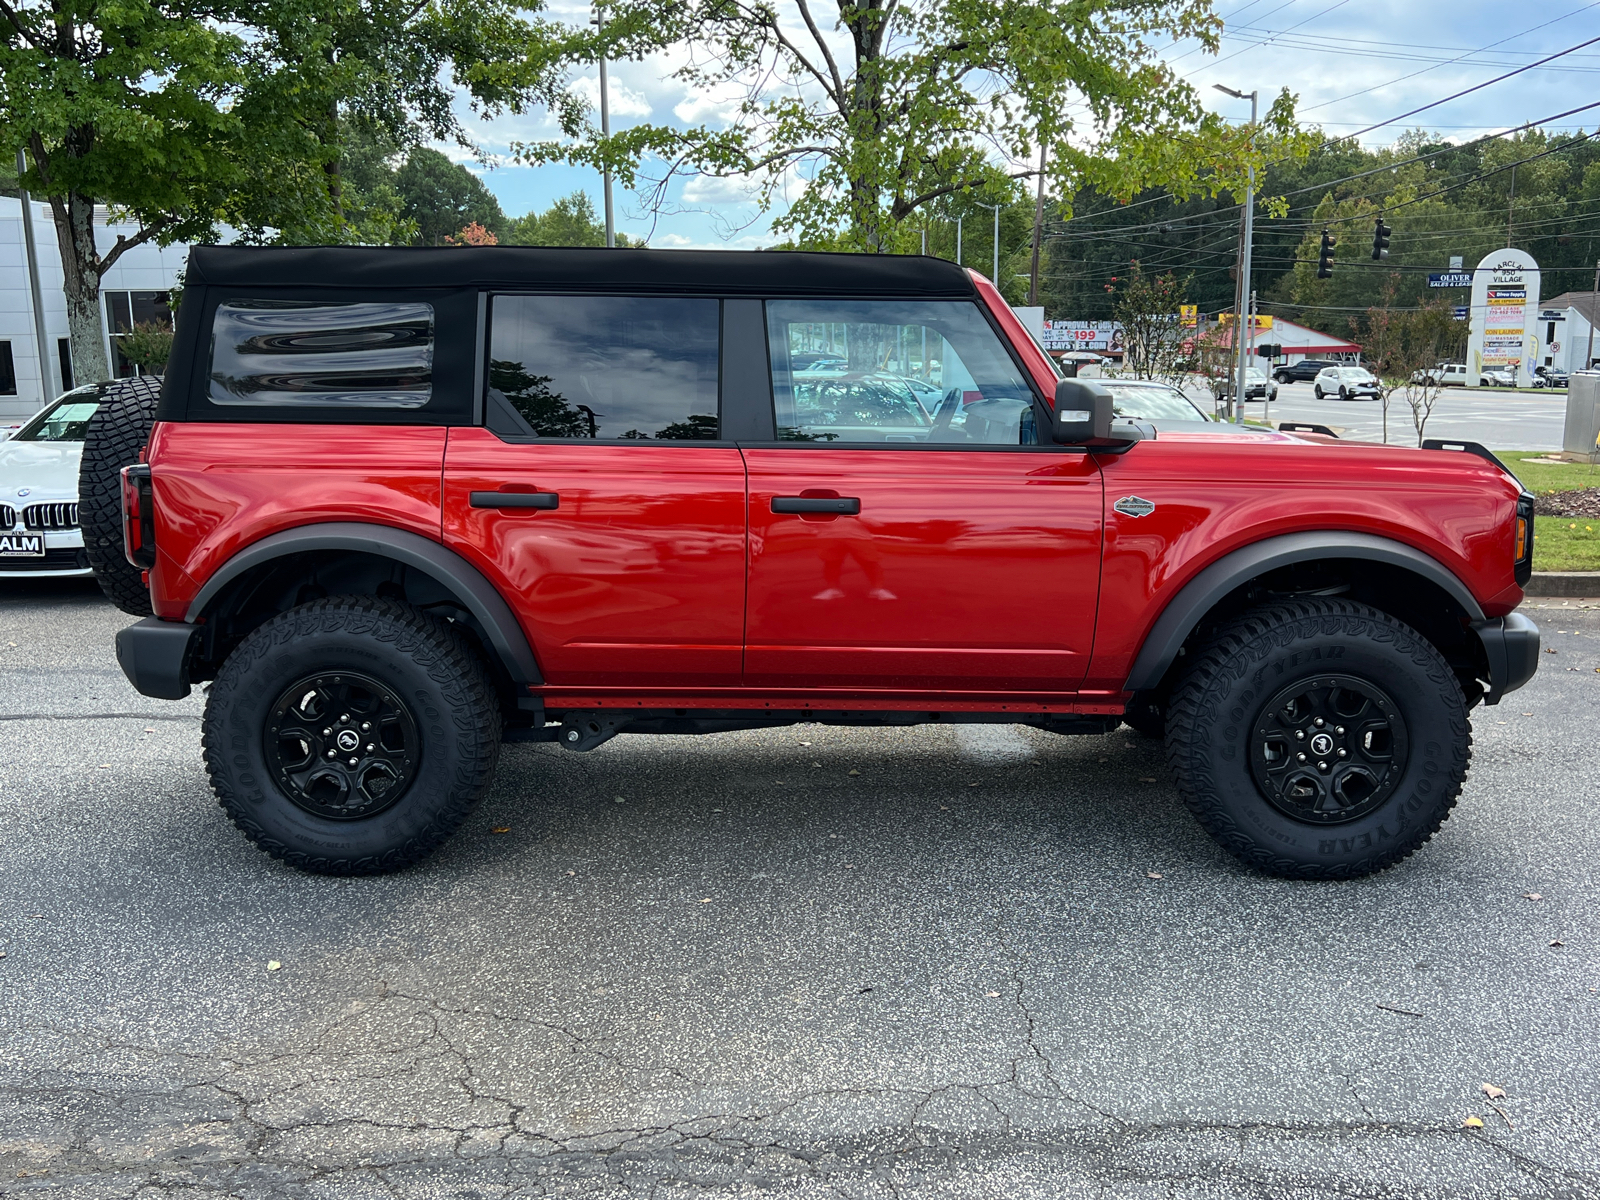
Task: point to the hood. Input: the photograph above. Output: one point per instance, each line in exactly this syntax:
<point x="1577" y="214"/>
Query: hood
<point x="46" y="470"/>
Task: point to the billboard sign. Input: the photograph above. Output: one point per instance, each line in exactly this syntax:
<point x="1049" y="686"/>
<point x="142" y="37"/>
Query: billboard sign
<point x="1103" y="337"/>
<point x="1451" y="279"/>
<point x="1505" y="312"/>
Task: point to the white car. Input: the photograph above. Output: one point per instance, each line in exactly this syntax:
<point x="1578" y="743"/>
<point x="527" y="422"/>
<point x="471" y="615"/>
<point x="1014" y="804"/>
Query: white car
<point x="39" y="534"/>
<point x="1347" y="383"/>
<point x="1498" y="377"/>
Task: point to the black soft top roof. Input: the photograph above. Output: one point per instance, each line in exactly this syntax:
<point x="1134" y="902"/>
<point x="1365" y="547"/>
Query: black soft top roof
<point x="718" y="272"/>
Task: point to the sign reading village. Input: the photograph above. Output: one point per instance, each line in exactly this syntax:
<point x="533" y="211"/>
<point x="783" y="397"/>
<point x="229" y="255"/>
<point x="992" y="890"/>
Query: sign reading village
<point x="1505" y="311"/>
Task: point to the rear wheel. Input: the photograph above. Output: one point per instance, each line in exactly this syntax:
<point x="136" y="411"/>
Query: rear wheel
<point x="116" y="433"/>
<point x="351" y="736"/>
<point x="1319" y="739"/>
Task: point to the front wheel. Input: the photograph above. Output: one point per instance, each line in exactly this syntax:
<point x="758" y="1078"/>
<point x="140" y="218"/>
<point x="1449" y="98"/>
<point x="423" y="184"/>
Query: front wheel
<point x="1319" y="739"/>
<point x="1318" y="391"/>
<point x="351" y="736"/>
<point x="1344" y="393"/>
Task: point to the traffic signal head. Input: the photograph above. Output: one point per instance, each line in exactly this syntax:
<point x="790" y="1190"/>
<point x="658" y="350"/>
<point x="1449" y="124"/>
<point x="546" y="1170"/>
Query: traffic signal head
<point x="1380" y="241"/>
<point x="1325" y="259"/>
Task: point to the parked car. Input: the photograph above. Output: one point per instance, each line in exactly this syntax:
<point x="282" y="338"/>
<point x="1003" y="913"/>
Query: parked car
<point x="1153" y="401"/>
<point x="1498" y="377"/>
<point x="1550" y="377"/>
<point x="1442" y="375"/>
<point x="1347" y="383"/>
<point x="1299" y="372"/>
<point x="1257" y="386"/>
<point x="39" y="533"/>
<point x="544" y="495"/>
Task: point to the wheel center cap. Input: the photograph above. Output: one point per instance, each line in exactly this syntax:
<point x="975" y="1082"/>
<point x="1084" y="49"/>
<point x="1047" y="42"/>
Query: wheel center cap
<point x="349" y="740"/>
<point x="1320" y="744"/>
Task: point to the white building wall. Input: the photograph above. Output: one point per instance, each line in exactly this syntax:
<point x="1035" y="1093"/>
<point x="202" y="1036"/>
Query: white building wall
<point x="146" y="268"/>
<point x="1573" y="335"/>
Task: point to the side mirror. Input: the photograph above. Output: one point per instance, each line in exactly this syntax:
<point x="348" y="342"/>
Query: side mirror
<point x="1084" y="417"/>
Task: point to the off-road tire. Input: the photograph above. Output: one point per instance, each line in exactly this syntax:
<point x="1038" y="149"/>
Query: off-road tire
<point x="419" y="659"/>
<point x="1221" y="698"/>
<point x="115" y="435"/>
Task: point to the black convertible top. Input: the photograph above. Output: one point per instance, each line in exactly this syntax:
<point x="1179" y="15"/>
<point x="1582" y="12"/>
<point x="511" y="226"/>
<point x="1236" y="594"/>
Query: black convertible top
<point x="720" y="272"/>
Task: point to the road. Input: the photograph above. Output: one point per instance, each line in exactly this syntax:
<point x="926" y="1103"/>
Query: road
<point x="1498" y="418"/>
<point x="995" y="962"/>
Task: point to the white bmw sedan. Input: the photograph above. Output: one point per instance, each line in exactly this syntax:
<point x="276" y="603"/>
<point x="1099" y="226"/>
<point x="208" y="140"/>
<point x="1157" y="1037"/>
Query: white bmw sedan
<point x="39" y="534"/>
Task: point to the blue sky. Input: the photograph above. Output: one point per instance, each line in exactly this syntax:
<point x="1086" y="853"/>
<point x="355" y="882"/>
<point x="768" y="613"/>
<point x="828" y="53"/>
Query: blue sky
<point x="1352" y="63"/>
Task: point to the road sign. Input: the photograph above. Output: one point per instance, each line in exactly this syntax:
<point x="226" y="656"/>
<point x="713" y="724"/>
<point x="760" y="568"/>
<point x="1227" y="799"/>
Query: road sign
<point x="1188" y="314"/>
<point x="1459" y="312"/>
<point x="1450" y="279"/>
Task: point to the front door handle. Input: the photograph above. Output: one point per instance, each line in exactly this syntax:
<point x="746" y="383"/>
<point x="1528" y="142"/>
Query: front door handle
<point x="848" y="505"/>
<point x="516" y="500"/>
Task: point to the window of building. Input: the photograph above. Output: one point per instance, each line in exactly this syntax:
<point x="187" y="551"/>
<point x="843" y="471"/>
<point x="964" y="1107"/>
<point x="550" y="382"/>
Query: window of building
<point x="893" y="371"/>
<point x="8" y="371"/>
<point x="124" y="311"/>
<point x="292" y="353"/>
<point x="608" y="367"/>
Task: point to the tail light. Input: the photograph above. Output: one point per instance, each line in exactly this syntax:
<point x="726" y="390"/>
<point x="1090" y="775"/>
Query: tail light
<point x="138" y="516"/>
<point x="1523" y="567"/>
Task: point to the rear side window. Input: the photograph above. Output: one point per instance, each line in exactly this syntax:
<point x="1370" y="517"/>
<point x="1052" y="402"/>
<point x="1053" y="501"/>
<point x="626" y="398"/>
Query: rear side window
<point x="628" y="368"/>
<point x="306" y="354"/>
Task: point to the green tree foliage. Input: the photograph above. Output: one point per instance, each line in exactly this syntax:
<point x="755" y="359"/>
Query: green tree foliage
<point x="1147" y="306"/>
<point x="1455" y="201"/>
<point x="181" y="116"/>
<point x="439" y="197"/>
<point x="569" y="221"/>
<point x="883" y="108"/>
<point x="148" y="346"/>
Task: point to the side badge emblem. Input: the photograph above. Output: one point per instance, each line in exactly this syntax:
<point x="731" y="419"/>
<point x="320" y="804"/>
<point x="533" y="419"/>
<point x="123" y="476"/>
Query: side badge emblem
<point x="1134" y="506"/>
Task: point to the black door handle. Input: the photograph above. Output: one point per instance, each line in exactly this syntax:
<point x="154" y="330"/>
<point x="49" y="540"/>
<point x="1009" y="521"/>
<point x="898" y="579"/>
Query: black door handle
<point x="848" y="505"/>
<point x="516" y="500"/>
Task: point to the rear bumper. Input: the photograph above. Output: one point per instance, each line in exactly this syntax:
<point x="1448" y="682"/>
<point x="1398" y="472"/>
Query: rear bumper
<point x="154" y="655"/>
<point x="1511" y="644"/>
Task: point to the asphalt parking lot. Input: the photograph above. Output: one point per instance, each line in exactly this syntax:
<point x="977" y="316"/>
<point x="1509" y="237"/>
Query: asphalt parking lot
<point x="805" y="962"/>
<point x="1499" y="418"/>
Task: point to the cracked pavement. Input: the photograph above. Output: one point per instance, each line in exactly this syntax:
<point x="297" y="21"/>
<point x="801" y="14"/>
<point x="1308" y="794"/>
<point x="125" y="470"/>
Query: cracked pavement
<point x="726" y="966"/>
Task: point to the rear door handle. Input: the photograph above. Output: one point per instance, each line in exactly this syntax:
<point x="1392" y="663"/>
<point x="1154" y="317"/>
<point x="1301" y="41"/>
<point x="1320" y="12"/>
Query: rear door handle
<point x="848" y="505"/>
<point x="516" y="500"/>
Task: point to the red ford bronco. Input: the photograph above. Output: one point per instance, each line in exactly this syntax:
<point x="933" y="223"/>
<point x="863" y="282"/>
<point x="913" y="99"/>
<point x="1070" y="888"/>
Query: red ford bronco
<point x="400" y="506"/>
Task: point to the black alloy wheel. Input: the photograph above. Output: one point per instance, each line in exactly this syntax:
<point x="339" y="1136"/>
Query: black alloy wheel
<point x="1344" y="392"/>
<point x="1317" y="388"/>
<point x="1329" y="750"/>
<point x="342" y="746"/>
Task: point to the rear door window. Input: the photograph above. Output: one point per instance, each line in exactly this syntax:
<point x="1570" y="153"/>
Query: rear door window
<point x="314" y="355"/>
<point x="608" y="368"/>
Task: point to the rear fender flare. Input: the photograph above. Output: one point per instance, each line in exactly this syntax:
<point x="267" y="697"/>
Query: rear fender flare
<point x="477" y="595"/>
<point x="1202" y="593"/>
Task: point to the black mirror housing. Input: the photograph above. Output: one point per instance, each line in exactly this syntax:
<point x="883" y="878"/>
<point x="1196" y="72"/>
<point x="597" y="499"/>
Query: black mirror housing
<point x="1084" y="416"/>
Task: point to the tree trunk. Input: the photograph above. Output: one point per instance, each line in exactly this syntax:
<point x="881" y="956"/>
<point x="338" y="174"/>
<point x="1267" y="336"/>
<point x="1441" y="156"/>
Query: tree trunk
<point x="80" y="264"/>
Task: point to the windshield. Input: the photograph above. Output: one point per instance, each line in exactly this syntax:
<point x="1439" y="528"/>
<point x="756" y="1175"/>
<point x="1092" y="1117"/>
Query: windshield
<point x="1151" y="402"/>
<point x="64" y="421"/>
<point x="1356" y="374"/>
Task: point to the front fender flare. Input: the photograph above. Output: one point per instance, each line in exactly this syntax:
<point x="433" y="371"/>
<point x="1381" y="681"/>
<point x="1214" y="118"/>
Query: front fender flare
<point x="1202" y="593"/>
<point x="477" y="594"/>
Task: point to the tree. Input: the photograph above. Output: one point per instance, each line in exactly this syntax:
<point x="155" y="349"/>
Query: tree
<point x="1152" y="338"/>
<point x="440" y="197"/>
<point x="569" y="221"/>
<point x="1403" y="347"/>
<point x="180" y="115"/>
<point x="906" y="104"/>
<point x="147" y="346"/>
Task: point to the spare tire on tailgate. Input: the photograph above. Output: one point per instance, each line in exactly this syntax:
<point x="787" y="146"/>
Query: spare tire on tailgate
<point x="116" y="434"/>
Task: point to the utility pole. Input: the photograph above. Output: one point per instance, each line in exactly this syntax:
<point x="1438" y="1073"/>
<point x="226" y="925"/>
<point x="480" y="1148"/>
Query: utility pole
<point x="1510" y="203"/>
<point x="997" y="208"/>
<point x="1594" y="315"/>
<point x="1038" y="221"/>
<point x="1244" y="258"/>
<point x="47" y="383"/>
<point x="599" y="22"/>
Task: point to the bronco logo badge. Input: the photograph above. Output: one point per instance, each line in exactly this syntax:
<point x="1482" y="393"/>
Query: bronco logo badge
<point x="1134" y="506"/>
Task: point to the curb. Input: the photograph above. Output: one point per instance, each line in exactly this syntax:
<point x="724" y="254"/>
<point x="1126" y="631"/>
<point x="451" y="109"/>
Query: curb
<point x="1563" y="583"/>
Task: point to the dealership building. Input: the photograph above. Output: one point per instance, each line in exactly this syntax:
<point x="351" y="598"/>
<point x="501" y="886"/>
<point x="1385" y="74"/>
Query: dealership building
<point x="136" y="289"/>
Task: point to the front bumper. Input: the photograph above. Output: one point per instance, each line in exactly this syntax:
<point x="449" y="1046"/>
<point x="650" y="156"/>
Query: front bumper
<point x="1511" y="644"/>
<point x="154" y="655"/>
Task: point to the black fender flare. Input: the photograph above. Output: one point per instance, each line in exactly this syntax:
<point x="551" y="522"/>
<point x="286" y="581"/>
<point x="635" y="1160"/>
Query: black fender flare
<point x="1202" y="593"/>
<point x="476" y="593"/>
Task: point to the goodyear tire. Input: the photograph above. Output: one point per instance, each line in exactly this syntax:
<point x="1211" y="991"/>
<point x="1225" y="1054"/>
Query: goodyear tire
<point x="1319" y="739"/>
<point x="351" y="736"/>
<point x="116" y="434"/>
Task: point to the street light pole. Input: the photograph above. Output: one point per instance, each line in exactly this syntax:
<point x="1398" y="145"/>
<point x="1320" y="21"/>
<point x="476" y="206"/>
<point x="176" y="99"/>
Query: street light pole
<point x="1244" y="263"/>
<point x="599" y="22"/>
<point x="997" y="208"/>
<point x="47" y="386"/>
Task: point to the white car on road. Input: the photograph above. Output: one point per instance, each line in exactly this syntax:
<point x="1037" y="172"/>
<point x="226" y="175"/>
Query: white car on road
<point x="39" y="534"/>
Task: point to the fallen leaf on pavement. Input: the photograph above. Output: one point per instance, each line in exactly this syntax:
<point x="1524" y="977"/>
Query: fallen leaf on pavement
<point x="1532" y="896"/>
<point x="1494" y="1093"/>
<point x="501" y="829"/>
<point x="805" y="743"/>
<point x="619" y="800"/>
<point x="274" y="965"/>
<point x="1152" y="874"/>
<point x="1472" y="1123"/>
<point x="2" y="953"/>
<point x="855" y="772"/>
<point x="705" y="900"/>
<point x="992" y="995"/>
<point x="1557" y="945"/>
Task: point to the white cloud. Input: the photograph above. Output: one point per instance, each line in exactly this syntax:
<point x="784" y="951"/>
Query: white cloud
<point x="624" y="101"/>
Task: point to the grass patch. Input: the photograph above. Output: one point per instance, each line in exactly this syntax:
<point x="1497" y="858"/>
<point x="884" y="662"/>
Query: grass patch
<point x="1540" y="478"/>
<point x="1566" y="544"/>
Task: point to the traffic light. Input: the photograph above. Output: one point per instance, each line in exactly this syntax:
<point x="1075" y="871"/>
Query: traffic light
<point x="1380" y="241"/>
<point x="1325" y="259"/>
<point x="1271" y="350"/>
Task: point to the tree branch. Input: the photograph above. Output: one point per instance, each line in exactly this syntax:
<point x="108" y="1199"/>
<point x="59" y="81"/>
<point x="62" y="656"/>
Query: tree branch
<point x="904" y="208"/>
<point x="11" y="16"/>
<point x="837" y="91"/>
<point x="124" y="244"/>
